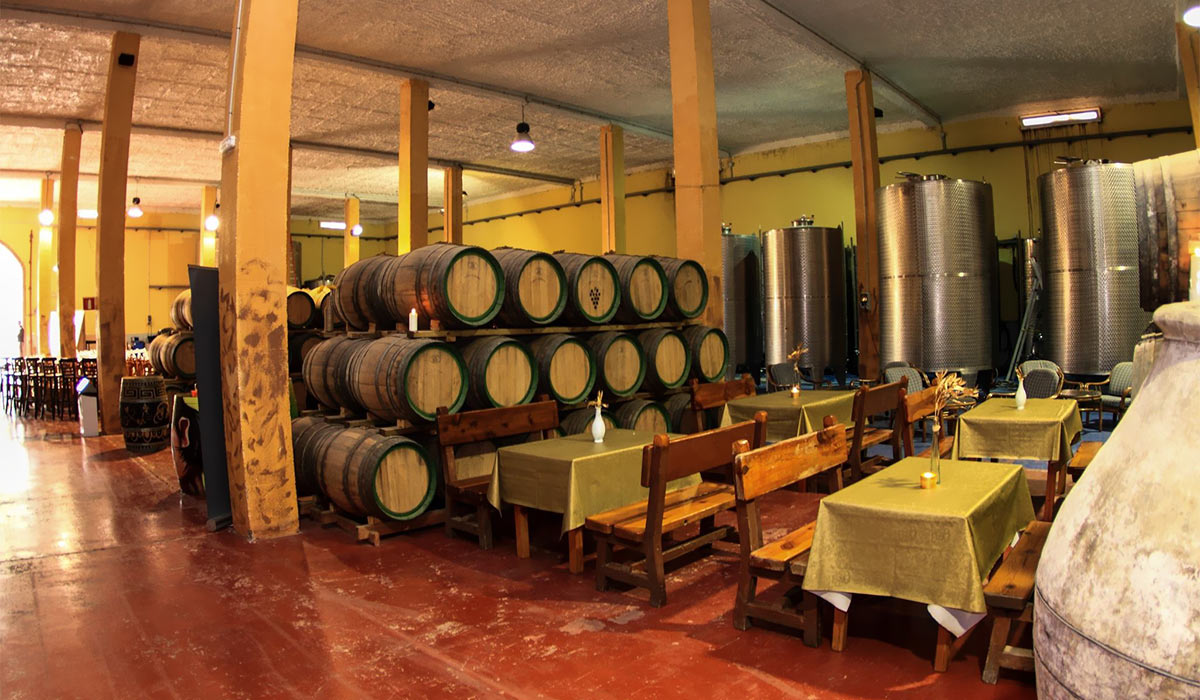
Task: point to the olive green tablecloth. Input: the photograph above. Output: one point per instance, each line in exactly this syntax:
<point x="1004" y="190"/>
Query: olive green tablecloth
<point x="789" y="416"/>
<point x="887" y="536"/>
<point x="573" y="475"/>
<point x="1043" y="430"/>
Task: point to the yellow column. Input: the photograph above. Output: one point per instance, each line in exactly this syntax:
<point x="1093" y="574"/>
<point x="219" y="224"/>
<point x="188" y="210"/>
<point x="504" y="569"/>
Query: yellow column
<point x="1189" y="58"/>
<point x="612" y="188"/>
<point x="68" y="196"/>
<point x="293" y="275"/>
<point x="208" y="235"/>
<point x="413" y="224"/>
<point x="44" y="252"/>
<point x="350" y="242"/>
<point x="110" y="238"/>
<point x="452" y="204"/>
<point x="697" y="161"/>
<point x="253" y="262"/>
<point x="864" y="155"/>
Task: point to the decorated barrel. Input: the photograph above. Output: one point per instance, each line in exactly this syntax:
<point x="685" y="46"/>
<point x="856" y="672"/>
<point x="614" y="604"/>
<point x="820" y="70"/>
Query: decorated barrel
<point x="356" y="293"/>
<point x="643" y="287"/>
<point x="620" y="363"/>
<point x="566" y="368"/>
<point x="311" y="437"/>
<point x="643" y="416"/>
<point x="535" y="287"/>
<point x="459" y="286"/>
<point x="326" y="372"/>
<point x="681" y="418"/>
<point x="710" y="352"/>
<point x="502" y="372"/>
<point x="365" y="473"/>
<point x="668" y="360"/>
<point x="178" y="356"/>
<point x="300" y="343"/>
<point x="687" y="288"/>
<point x="400" y="378"/>
<point x="145" y="414"/>
<point x="593" y="288"/>
<point x="181" y="310"/>
<point x="580" y="421"/>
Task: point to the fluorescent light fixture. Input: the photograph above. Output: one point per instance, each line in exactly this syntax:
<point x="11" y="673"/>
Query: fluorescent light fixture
<point x="1078" y="116"/>
<point x="135" y="210"/>
<point x="356" y="230"/>
<point x="45" y="217"/>
<point x="88" y="214"/>
<point x="335" y="225"/>
<point x="522" y="143"/>
<point x="1191" y="16"/>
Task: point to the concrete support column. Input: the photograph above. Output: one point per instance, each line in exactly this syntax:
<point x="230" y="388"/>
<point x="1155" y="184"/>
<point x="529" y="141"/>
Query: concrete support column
<point x="68" y="202"/>
<point x="208" y="236"/>
<point x="612" y="188"/>
<point x="350" y="242"/>
<point x="452" y="203"/>
<point x="46" y="260"/>
<point x="413" y="206"/>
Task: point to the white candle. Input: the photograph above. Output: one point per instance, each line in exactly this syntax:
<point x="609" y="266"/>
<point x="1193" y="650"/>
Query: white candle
<point x="1195" y="286"/>
<point x="412" y="321"/>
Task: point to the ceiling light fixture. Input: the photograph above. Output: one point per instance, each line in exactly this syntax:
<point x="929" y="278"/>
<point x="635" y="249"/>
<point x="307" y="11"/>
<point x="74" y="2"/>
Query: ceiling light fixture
<point x="88" y="214"/>
<point x="1191" y="16"/>
<point x="135" y="210"/>
<point x="522" y="142"/>
<point x="212" y="221"/>
<point x="1078" y="116"/>
<point x="355" y="230"/>
<point x="335" y="225"/>
<point x="45" y="217"/>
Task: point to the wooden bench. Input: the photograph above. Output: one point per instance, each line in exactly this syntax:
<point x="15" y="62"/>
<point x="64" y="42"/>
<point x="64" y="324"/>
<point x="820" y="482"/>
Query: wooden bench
<point x="870" y="403"/>
<point x="1082" y="458"/>
<point x="918" y="407"/>
<point x="757" y="473"/>
<point x="1009" y="597"/>
<point x="539" y="419"/>
<point x="642" y="526"/>
<point x="717" y="394"/>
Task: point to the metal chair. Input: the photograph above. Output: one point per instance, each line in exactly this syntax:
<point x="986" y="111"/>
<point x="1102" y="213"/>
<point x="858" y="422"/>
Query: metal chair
<point x="1043" y="379"/>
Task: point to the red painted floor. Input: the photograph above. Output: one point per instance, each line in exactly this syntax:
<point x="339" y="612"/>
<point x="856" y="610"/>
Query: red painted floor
<point x="111" y="587"/>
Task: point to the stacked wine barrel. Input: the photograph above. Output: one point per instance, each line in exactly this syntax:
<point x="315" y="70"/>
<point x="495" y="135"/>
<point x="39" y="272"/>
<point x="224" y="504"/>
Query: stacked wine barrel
<point x="172" y="352"/>
<point x="305" y="311"/>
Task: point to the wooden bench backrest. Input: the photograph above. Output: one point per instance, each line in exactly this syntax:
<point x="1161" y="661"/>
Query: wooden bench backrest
<point x="873" y="401"/>
<point x="669" y="459"/>
<point x="760" y="471"/>
<point x="488" y="424"/>
<point x="1011" y="587"/>
<point x="717" y="394"/>
<point x="917" y="407"/>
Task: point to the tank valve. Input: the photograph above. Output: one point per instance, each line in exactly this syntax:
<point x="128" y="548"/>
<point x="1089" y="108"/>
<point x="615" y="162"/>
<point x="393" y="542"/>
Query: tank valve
<point x="864" y="299"/>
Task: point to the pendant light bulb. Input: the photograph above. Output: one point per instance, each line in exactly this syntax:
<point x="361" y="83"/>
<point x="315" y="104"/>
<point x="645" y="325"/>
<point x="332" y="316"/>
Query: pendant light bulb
<point x="46" y="217"/>
<point x="135" y="210"/>
<point x="356" y="230"/>
<point x="522" y="143"/>
<point x="212" y="221"/>
<point x="1191" y="16"/>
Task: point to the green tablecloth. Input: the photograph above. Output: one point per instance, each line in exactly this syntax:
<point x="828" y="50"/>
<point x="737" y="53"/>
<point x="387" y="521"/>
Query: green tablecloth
<point x="1043" y="430"/>
<point x="573" y="475"/>
<point x="789" y="416"/>
<point x="886" y="536"/>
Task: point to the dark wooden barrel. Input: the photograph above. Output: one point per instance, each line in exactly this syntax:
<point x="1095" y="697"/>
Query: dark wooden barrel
<point x="643" y="416"/>
<point x="593" y="288"/>
<point x="566" y="368"/>
<point x="710" y="352"/>
<point x="181" y="310"/>
<point x="300" y="343"/>
<point x="535" y="288"/>
<point x="178" y="356"/>
<point x="460" y="286"/>
<point x="310" y="439"/>
<point x="681" y="417"/>
<point x="668" y="360"/>
<point x="154" y="350"/>
<point x="145" y="414"/>
<point x="1167" y="192"/>
<point x="396" y="377"/>
<point x="643" y="287"/>
<point x="301" y="308"/>
<point x="620" y="363"/>
<point x="580" y="421"/>
<point x="687" y="288"/>
<point x="356" y="293"/>
<point x="331" y="317"/>
<point x="365" y="473"/>
<point x="326" y="374"/>
<point x="502" y="372"/>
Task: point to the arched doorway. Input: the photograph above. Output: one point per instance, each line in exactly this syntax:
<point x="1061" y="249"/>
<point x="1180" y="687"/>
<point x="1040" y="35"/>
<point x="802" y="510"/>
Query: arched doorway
<point x="12" y="301"/>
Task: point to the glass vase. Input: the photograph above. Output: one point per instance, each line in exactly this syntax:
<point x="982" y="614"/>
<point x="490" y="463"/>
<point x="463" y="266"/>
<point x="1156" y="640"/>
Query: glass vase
<point x="935" y="453"/>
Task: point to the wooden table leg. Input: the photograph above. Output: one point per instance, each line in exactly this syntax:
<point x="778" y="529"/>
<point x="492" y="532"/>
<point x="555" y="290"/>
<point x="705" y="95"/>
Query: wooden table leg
<point x="948" y="647"/>
<point x="1052" y="469"/>
<point x="521" y="521"/>
<point x="840" y="622"/>
<point x="575" y="550"/>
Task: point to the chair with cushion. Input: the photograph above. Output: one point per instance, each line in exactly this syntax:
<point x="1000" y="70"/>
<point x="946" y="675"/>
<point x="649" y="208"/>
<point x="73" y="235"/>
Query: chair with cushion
<point x="1115" y="396"/>
<point x="782" y="376"/>
<point x="905" y="371"/>
<point x="1043" y="379"/>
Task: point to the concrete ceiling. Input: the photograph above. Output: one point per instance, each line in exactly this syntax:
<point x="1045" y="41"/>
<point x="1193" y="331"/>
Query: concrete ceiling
<point x="779" y="66"/>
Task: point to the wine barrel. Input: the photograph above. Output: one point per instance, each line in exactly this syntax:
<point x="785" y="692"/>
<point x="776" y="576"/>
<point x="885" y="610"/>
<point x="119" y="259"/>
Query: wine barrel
<point x="535" y="287"/>
<point x="643" y="287"/>
<point x="620" y="363"/>
<point x="331" y="317"/>
<point x="300" y="343"/>
<point x="356" y="293"/>
<point x="1167" y="192"/>
<point x="502" y="372"/>
<point x="181" y="310"/>
<point x="145" y="414"/>
<point x="154" y="350"/>
<point x="593" y="288"/>
<point x="300" y="307"/>
<point x="319" y="294"/>
<point x="178" y="356"/>
<point x="668" y="360"/>
<point x="396" y="378"/>
<point x="459" y="286"/>
<point x="680" y="416"/>
<point x="710" y="352"/>
<point x="643" y="416"/>
<point x="580" y="421"/>
<point x="687" y="288"/>
<point x="326" y="375"/>
<point x="566" y="368"/>
<point x="365" y="473"/>
<point x="310" y="439"/>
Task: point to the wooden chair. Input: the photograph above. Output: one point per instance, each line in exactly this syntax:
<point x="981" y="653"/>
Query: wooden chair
<point x="68" y="375"/>
<point x="918" y="407"/>
<point x="871" y="403"/>
<point x="476" y="426"/>
<point x="642" y="526"/>
<point x="757" y="473"/>
<point x="717" y="394"/>
<point x="1009" y="597"/>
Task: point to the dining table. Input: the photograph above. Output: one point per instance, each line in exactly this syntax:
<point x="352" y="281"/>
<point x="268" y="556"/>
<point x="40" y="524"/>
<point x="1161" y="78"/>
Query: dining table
<point x="790" y="414"/>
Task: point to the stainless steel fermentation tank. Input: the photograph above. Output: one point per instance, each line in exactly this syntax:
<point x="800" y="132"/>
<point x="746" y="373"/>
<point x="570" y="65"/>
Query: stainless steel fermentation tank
<point x="741" y="269"/>
<point x="804" y="292"/>
<point x="937" y="257"/>
<point x="1092" y="317"/>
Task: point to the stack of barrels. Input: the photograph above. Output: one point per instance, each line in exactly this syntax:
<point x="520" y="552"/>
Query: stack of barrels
<point x="306" y="310"/>
<point x="172" y="352"/>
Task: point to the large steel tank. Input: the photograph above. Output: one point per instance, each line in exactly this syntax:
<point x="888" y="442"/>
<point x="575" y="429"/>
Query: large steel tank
<point x="937" y="273"/>
<point x="1092" y="317"/>
<point x="804" y="295"/>
<point x="741" y="269"/>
